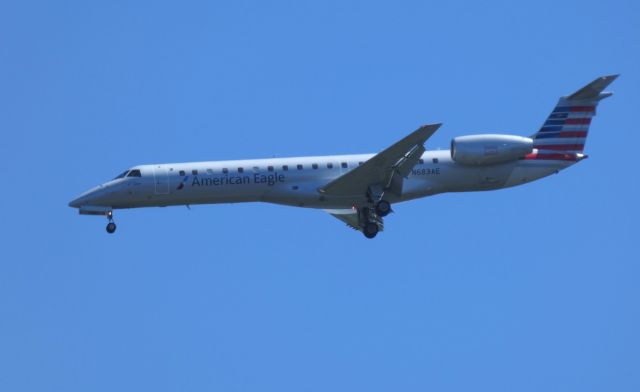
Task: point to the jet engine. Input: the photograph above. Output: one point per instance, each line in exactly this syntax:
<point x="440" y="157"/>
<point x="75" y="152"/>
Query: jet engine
<point x="489" y="149"/>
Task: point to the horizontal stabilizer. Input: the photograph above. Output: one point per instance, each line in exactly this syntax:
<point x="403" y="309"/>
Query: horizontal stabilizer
<point x="593" y="90"/>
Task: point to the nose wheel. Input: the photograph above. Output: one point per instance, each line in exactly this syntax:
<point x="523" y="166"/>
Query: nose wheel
<point x="111" y="226"/>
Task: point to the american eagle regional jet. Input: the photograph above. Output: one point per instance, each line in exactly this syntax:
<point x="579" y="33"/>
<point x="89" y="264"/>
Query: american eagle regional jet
<point x="360" y="189"/>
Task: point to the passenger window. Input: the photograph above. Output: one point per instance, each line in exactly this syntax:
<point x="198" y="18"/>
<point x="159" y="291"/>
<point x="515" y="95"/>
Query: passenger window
<point x="421" y="161"/>
<point x="329" y="165"/>
<point x="256" y="169"/>
<point x="285" y="167"/>
<point x="181" y="172"/>
<point x="225" y="170"/>
<point x="209" y="171"/>
<point x="134" y="173"/>
<point x="240" y="170"/>
<point x="315" y="165"/>
<point x="435" y="160"/>
<point x="270" y="168"/>
<point x="299" y="167"/>
<point x="194" y="172"/>
<point x="344" y="165"/>
<point x="360" y="163"/>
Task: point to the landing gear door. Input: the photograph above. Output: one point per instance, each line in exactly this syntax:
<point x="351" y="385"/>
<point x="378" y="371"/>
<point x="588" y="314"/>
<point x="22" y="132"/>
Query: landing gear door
<point x="161" y="179"/>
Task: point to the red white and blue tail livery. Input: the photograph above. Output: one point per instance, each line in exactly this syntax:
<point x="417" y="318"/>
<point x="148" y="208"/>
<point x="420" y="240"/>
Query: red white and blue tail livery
<point x="567" y="127"/>
<point x="360" y="189"/>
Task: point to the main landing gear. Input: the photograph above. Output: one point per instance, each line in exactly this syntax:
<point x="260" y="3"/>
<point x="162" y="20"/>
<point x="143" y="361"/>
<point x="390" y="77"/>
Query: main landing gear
<point x="370" y="230"/>
<point x="370" y="222"/>
<point x="111" y="226"/>
<point x="383" y="208"/>
<point x="370" y="218"/>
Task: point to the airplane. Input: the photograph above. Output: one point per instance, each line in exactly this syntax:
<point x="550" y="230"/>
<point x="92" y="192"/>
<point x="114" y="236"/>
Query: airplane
<point x="360" y="189"/>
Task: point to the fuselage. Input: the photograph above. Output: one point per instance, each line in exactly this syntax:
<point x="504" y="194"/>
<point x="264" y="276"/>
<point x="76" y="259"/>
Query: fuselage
<point x="296" y="181"/>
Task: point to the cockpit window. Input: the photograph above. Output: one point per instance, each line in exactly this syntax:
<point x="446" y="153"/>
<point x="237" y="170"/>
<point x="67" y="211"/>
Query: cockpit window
<point x="134" y="173"/>
<point x="124" y="173"/>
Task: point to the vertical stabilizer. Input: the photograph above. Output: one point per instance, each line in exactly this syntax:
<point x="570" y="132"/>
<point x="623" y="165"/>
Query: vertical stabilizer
<point x="567" y="126"/>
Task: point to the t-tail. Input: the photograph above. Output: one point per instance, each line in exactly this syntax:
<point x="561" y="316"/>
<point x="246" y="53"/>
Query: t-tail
<point x="565" y="130"/>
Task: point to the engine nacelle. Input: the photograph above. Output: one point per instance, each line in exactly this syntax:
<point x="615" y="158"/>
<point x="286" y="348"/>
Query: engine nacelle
<point x="489" y="149"/>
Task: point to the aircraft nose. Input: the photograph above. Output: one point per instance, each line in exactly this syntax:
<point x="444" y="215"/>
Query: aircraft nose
<point x="87" y="198"/>
<point x="84" y="199"/>
<point x="75" y="203"/>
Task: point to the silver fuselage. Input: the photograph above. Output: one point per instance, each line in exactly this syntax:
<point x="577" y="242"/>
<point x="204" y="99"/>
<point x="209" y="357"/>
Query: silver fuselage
<point x="266" y="180"/>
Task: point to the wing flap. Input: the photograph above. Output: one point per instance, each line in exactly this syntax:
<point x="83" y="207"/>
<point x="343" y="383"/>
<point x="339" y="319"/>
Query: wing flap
<point x="404" y="166"/>
<point x="350" y="217"/>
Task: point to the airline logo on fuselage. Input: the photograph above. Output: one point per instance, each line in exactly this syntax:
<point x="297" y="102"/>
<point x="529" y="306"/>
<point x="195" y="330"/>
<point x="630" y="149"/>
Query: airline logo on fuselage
<point x="256" y="178"/>
<point x="181" y="184"/>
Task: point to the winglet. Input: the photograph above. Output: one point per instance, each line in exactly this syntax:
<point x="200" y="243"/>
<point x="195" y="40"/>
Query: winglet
<point x="594" y="90"/>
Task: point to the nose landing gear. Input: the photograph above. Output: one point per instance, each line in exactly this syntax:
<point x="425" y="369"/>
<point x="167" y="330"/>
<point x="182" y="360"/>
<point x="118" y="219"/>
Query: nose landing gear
<point x="111" y="226"/>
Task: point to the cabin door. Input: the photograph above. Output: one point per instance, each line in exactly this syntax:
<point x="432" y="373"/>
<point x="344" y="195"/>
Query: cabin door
<point x="161" y="178"/>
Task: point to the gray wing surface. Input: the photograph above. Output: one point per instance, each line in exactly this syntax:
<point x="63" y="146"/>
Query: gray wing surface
<point x="348" y="216"/>
<point x="397" y="160"/>
<point x="593" y="90"/>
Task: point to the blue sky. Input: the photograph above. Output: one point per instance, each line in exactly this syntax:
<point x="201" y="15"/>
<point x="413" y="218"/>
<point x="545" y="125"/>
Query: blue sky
<point x="531" y="288"/>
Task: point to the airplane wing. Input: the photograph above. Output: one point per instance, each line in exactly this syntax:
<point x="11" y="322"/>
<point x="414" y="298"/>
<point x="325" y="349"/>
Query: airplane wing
<point x="350" y="217"/>
<point x="395" y="161"/>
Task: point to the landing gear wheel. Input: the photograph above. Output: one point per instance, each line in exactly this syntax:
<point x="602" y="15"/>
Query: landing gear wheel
<point x="383" y="208"/>
<point x="370" y="230"/>
<point x="111" y="228"/>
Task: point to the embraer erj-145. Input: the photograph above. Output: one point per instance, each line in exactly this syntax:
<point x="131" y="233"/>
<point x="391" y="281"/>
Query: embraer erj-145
<point x="360" y="189"/>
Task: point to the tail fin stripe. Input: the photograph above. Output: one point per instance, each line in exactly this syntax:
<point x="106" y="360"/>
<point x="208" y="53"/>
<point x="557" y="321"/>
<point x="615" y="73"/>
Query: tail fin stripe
<point x="550" y="129"/>
<point x="585" y="109"/>
<point x="578" y="121"/>
<point x="569" y="121"/>
<point x="566" y="140"/>
<point x="547" y="135"/>
<point x="567" y="109"/>
<point x="573" y="134"/>
<point x="561" y="134"/>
